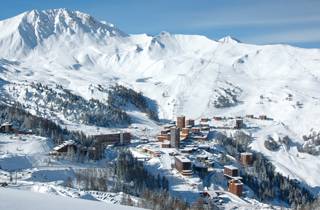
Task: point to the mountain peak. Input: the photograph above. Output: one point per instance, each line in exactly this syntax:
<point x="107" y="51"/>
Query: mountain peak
<point x="31" y="28"/>
<point x="229" y="39"/>
<point x="64" y="20"/>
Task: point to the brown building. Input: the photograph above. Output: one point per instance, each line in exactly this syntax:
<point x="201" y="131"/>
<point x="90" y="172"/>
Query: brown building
<point x="93" y="153"/>
<point x="235" y="187"/>
<point x="165" y="144"/>
<point x="231" y="171"/>
<point x="100" y="142"/>
<point x="185" y="130"/>
<point x="184" y="133"/>
<point x="69" y="146"/>
<point x="189" y="123"/>
<point x="183" y="165"/>
<point x="163" y="137"/>
<point x="217" y="118"/>
<point x="187" y="150"/>
<point x="181" y="122"/>
<point x="166" y="131"/>
<point x="184" y="137"/>
<point x="6" y="128"/>
<point x="109" y="139"/>
<point x="153" y="152"/>
<point x="239" y="124"/>
<point x="195" y="130"/>
<point x="205" y="127"/>
<point x="204" y="120"/>
<point x="167" y="127"/>
<point x="200" y="167"/>
<point x="263" y="117"/>
<point x="175" y="137"/>
<point x="246" y="158"/>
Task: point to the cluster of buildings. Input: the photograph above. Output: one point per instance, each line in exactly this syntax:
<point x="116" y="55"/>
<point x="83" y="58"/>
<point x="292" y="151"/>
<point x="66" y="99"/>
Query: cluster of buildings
<point x="94" y="151"/>
<point x="96" y="148"/>
<point x="238" y="121"/>
<point x="232" y="174"/>
<point x="260" y="117"/>
<point x="183" y="129"/>
<point x="173" y="135"/>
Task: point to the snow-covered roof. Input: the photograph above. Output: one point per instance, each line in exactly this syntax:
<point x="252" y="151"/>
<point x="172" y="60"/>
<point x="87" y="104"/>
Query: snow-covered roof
<point x="246" y="153"/>
<point x="188" y="149"/>
<point x="237" y="180"/>
<point x="203" y="156"/>
<point x="231" y="167"/>
<point x="6" y="124"/>
<point x="66" y="143"/>
<point x="202" y="146"/>
<point x="182" y="159"/>
<point x="199" y="164"/>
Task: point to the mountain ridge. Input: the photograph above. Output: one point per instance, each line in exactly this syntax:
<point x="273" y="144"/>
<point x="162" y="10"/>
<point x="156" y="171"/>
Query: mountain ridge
<point x="33" y="27"/>
<point x="177" y="71"/>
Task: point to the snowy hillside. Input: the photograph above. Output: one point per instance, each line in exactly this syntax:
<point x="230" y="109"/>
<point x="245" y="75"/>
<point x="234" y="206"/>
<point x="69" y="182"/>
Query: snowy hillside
<point x="63" y="65"/>
<point x="184" y="74"/>
<point x="37" y="201"/>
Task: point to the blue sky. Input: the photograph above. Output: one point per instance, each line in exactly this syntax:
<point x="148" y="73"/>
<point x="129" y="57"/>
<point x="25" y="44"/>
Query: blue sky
<point x="295" y="22"/>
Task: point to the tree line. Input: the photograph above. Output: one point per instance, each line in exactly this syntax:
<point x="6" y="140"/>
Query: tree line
<point x="262" y="177"/>
<point x="23" y="120"/>
<point x="128" y="175"/>
<point x="50" y="102"/>
<point x="120" y="96"/>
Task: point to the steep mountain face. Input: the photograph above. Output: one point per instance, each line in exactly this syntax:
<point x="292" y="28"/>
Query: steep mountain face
<point x="31" y="29"/>
<point x="183" y="74"/>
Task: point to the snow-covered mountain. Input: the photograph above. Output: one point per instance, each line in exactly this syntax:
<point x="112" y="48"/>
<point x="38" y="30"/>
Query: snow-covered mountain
<point x="30" y="29"/>
<point x="184" y="74"/>
<point x="75" y="55"/>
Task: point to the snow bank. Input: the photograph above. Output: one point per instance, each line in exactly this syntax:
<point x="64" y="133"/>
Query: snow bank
<point x="25" y="200"/>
